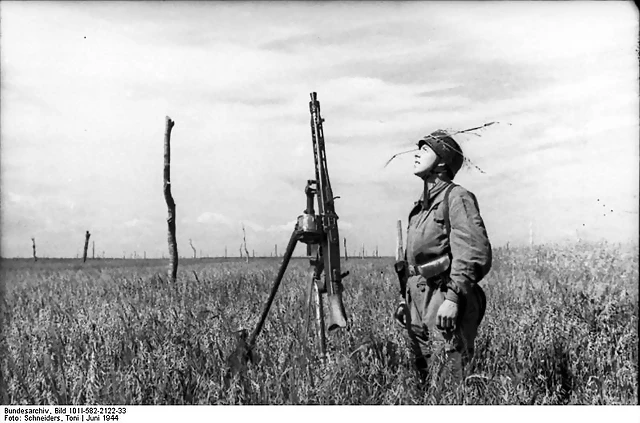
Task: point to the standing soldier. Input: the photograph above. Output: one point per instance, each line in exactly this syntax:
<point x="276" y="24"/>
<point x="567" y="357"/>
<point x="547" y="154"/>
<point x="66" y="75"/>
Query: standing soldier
<point x="448" y="253"/>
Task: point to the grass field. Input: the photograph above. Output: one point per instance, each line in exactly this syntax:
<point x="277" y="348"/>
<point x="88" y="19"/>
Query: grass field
<point x="561" y="328"/>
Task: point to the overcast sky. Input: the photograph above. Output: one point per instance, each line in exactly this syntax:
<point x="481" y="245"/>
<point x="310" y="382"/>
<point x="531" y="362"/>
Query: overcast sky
<point x="86" y="87"/>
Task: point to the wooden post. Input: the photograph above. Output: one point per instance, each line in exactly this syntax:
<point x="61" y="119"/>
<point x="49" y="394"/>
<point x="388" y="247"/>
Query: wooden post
<point x="193" y="248"/>
<point x="33" y="241"/>
<point x="346" y="256"/>
<point x="86" y="246"/>
<point x="362" y="251"/>
<point x="225" y="251"/>
<point x="171" y="205"/>
<point x="244" y="239"/>
<point x="93" y="250"/>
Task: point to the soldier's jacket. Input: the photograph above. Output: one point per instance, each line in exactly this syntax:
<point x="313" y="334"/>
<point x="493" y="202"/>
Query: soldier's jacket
<point x="467" y="243"/>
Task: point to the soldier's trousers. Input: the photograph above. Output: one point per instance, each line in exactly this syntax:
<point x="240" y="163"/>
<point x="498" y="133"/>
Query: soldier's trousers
<point x="452" y="348"/>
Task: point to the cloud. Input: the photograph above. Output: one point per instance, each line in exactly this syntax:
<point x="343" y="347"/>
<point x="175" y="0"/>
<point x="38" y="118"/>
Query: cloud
<point x="253" y="226"/>
<point x="215" y="218"/>
<point x="286" y="227"/>
<point x="136" y="223"/>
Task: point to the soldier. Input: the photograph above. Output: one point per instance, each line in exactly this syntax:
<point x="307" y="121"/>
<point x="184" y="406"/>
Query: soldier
<point x="448" y="253"/>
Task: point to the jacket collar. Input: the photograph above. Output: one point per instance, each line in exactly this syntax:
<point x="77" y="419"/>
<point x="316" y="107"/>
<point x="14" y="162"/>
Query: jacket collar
<point x="433" y="195"/>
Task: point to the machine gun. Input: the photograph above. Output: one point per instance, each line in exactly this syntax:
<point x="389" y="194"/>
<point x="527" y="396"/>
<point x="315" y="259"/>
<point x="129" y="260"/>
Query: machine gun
<point x="320" y="233"/>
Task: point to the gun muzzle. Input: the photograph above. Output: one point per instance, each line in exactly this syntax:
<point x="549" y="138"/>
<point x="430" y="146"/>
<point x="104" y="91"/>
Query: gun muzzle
<point x="337" y="316"/>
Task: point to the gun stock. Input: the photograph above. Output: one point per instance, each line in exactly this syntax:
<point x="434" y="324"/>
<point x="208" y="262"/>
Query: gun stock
<point x="399" y="249"/>
<point x="401" y="264"/>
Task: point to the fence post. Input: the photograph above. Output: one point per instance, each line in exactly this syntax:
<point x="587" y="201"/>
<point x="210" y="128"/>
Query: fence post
<point x="33" y="241"/>
<point x="86" y="246"/>
<point x="171" y="205"/>
<point x="346" y="256"/>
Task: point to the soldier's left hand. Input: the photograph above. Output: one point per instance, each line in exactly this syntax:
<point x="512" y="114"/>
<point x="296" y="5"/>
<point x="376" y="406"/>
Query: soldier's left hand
<point x="447" y="315"/>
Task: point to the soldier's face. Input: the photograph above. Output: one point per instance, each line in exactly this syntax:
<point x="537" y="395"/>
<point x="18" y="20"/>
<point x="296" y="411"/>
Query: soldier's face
<point x="425" y="161"/>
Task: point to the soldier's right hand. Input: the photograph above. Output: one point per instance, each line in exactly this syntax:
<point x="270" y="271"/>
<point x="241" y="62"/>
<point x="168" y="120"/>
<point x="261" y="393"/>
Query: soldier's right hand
<point x="400" y="314"/>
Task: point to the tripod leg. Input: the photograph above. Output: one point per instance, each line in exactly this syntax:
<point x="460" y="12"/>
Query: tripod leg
<point x="285" y="261"/>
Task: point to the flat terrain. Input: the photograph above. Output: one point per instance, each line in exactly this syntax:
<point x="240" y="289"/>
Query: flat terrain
<point x="561" y="328"/>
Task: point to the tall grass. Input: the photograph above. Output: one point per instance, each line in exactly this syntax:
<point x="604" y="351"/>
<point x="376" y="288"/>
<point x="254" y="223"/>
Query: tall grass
<point x="561" y="328"/>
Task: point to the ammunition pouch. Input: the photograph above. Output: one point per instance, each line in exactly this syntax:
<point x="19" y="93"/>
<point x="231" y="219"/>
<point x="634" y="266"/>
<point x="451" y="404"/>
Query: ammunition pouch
<point x="435" y="272"/>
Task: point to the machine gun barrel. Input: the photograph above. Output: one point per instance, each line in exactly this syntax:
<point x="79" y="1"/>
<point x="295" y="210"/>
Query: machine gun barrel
<point x="330" y="239"/>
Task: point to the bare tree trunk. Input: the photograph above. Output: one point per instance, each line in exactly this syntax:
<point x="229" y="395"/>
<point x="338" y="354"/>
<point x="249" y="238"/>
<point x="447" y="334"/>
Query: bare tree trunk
<point x="346" y="256"/>
<point x="93" y="250"/>
<point x="240" y="250"/>
<point x="193" y="248"/>
<point x="33" y="241"/>
<point x="171" y="205"/>
<point x="86" y="246"/>
<point x="244" y="239"/>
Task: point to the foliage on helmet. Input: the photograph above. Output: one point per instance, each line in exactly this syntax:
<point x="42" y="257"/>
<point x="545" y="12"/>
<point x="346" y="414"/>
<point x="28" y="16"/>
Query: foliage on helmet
<point x="446" y="148"/>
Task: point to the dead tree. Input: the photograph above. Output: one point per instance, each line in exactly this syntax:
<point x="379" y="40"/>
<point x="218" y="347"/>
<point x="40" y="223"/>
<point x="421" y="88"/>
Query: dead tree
<point x="86" y="246"/>
<point x="244" y="240"/>
<point x="93" y="250"/>
<point x="171" y="205"/>
<point x="346" y="256"/>
<point x="240" y="250"/>
<point x="33" y="241"/>
<point x="193" y="248"/>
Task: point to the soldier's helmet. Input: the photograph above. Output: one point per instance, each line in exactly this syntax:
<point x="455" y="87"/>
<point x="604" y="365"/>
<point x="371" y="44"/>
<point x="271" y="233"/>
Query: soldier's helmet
<point x="446" y="148"/>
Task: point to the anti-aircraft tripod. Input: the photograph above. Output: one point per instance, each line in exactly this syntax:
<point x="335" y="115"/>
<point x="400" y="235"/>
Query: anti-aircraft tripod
<point x="320" y="233"/>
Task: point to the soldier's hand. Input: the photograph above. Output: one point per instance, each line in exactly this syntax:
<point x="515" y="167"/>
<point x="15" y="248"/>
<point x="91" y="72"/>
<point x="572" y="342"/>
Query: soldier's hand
<point x="447" y="315"/>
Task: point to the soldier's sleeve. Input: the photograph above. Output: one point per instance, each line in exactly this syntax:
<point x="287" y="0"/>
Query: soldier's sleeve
<point x="470" y="246"/>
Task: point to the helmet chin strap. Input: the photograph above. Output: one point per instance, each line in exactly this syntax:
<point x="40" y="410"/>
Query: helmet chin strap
<point x="440" y="167"/>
